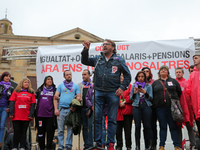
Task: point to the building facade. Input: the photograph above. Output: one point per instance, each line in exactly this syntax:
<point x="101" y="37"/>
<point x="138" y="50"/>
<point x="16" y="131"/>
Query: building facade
<point x="21" y="68"/>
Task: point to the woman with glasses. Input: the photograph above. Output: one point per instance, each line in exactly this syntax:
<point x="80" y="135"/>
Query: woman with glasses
<point x="149" y="76"/>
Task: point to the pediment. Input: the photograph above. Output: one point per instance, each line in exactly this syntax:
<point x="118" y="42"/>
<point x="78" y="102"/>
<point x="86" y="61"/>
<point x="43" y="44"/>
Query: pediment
<point x="77" y="34"/>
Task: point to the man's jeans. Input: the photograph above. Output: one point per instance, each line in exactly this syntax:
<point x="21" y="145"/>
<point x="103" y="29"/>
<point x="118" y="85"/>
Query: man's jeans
<point x="87" y="128"/>
<point x="61" y="120"/>
<point x="112" y="101"/>
<point x="165" y="117"/>
<point x="3" y="116"/>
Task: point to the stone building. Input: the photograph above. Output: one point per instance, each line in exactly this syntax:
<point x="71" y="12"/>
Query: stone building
<point x="20" y="68"/>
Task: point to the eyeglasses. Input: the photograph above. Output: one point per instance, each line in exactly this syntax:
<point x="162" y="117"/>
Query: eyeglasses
<point x="106" y="44"/>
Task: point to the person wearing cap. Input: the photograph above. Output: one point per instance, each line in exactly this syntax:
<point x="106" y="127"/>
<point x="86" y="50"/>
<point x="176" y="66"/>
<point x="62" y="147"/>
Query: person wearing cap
<point x="162" y="103"/>
<point x="193" y="88"/>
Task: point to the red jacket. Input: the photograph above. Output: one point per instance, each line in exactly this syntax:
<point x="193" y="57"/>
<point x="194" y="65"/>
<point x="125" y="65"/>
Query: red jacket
<point x="193" y="89"/>
<point x="23" y="101"/>
<point x="185" y="102"/>
<point x="127" y="110"/>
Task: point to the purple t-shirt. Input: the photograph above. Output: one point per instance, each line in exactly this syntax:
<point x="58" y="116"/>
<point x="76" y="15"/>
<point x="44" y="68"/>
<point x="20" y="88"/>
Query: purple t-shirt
<point x="4" y="100"/>
<point x="46" y="105"/>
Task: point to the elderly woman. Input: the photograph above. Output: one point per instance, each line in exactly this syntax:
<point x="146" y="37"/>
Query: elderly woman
<point x="141" y="95"/>
<point x="162" y="103"/>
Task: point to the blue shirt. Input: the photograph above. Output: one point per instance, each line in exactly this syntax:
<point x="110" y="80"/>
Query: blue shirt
<point x="66" y="96"/>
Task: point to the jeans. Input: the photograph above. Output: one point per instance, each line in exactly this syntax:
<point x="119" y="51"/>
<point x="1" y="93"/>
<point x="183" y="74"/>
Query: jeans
<point x="165" y="117"/>
<point x="112" y="101"/>
<point x="127" y="125"/>
<point x="104" y="131"/>
<point x="4" y="116"/>
<point x="61" y="126"/>
<point x="143" y="114"/>
<point x="87" y="128"/>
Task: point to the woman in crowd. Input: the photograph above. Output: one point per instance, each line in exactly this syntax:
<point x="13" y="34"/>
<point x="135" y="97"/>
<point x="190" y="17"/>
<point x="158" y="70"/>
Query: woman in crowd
<point x="22" y="105"/>
<point x="149" y="76"/>
<point x="141" y="95"/>
<point x="5" y="92"/>
<point x="162" y="103"/>
<point x="124" y="118"/>
<point x="45" y="118"/>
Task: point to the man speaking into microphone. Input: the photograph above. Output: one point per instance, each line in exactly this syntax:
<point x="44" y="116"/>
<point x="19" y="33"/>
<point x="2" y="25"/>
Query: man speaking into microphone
<point x="108" y="88"/>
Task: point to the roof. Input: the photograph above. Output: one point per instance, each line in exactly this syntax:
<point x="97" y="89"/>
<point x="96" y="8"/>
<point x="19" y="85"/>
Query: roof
<point x="5" y="19"/>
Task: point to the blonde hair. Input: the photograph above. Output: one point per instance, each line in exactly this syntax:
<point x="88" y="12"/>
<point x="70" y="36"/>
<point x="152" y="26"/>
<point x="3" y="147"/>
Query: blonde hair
<point x="20" y="85"/>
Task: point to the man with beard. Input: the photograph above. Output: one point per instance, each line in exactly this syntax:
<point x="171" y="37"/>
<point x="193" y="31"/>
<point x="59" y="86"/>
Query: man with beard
<point x="65" y="92"/>
<point x="108" y="87"/>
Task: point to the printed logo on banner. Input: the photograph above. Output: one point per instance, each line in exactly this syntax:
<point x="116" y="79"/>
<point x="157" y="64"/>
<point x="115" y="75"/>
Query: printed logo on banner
<point x="114" y="69"/>
<point x="40" y="123"/>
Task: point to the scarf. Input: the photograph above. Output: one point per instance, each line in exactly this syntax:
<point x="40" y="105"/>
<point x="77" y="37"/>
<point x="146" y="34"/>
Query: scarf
<point x="140" y="83"/>
<point x="47" y="89"/>
<point x="6" y="85"/>
<point x="86" y="83"/>
<point x="24" y="90"/>
<point x="68" y="85"/>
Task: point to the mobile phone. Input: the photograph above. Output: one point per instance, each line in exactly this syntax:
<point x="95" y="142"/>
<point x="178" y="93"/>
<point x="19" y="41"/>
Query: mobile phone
<point x="139" y="86"/>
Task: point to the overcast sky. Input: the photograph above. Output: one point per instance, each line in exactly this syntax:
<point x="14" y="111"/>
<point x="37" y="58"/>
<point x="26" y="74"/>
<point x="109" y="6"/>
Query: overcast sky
<point x="132" y="20"/>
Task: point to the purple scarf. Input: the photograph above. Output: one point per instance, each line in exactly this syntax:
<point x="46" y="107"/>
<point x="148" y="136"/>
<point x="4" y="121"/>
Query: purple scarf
<point x="87" y="83"/>
<point x="24" y="90"/>
<point x="68" y="85"/>
<point x="6" y="85"/>
<point x="47" y="89"/>
<point x="139" y="83"/>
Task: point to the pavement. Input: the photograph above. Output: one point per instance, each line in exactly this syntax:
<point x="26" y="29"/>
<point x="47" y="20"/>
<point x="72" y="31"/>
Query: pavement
<point x="77" y="142"/>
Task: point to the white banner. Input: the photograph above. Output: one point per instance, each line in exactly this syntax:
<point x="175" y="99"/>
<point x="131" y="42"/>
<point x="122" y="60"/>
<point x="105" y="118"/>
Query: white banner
<point x="53" y="60"/>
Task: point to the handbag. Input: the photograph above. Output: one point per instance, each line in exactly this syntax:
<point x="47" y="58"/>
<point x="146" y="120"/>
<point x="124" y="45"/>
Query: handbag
<point x="176" y="109"/>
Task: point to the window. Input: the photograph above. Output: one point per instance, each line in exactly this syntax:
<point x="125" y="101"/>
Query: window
<point x="4" y="52"/>
<point x="2" y="25"/>
<point x="77" y="36"/>
<point x="33" y="60"/>
<point x="33" y="82"/>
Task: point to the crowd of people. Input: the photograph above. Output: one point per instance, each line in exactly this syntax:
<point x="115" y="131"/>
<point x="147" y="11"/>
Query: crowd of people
<point x="108" y="95"/>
